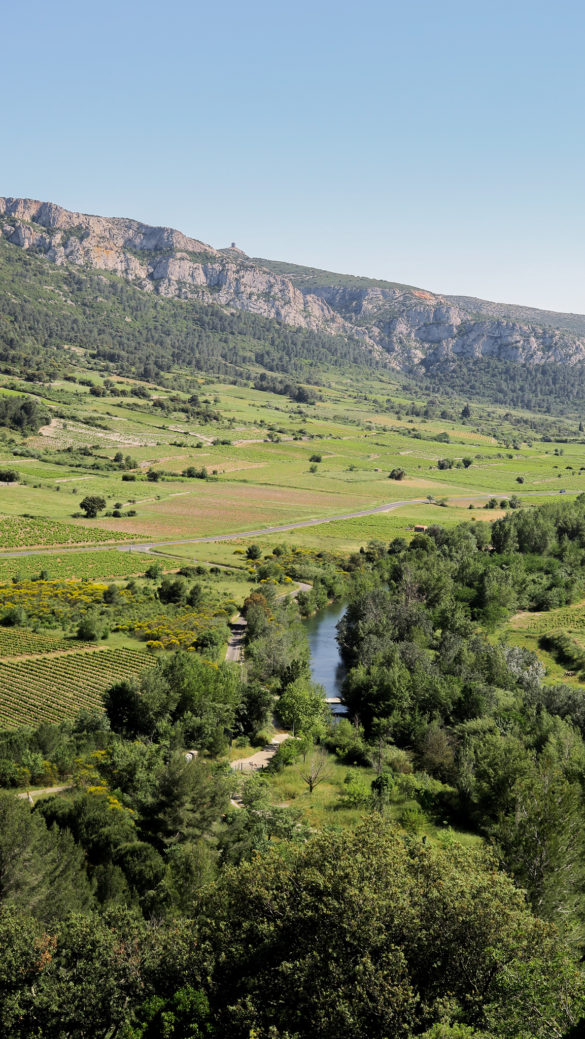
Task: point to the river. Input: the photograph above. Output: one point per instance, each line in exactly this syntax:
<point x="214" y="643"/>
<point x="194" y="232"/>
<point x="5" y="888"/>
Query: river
<point x="326" y="664"/>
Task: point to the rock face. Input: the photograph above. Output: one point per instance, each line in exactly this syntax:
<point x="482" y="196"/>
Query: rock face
<point x="401" y="324"/>
<point x="162" y="260"/>
<point x="412" y="325"/>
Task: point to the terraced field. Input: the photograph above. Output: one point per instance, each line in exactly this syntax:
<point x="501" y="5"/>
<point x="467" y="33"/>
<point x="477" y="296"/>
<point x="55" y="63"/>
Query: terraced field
<point x="52" y="688"/>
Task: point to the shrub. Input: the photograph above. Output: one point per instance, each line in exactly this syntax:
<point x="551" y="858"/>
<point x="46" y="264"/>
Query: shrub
<point x="89" y="629"/>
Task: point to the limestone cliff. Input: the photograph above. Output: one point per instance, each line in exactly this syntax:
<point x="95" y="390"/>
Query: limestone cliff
<point x="163" y="260"/>
<point x="400" y="323"/>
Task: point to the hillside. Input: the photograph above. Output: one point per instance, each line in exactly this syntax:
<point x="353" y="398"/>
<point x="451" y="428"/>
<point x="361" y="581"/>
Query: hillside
<point x="413" y="325"/>
<point x="146" y="298"/>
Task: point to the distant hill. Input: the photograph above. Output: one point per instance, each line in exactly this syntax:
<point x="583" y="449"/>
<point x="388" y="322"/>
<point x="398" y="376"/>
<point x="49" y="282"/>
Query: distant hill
<point x="151" y="296"/>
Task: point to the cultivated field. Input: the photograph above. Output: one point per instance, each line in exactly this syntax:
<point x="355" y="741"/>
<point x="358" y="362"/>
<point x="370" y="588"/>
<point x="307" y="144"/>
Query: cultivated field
<point x="56" y="687"/>
<point x="262" y="461"/>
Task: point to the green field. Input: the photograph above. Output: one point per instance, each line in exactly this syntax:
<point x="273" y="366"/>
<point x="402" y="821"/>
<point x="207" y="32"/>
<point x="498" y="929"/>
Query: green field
<point x="269" y="462"/>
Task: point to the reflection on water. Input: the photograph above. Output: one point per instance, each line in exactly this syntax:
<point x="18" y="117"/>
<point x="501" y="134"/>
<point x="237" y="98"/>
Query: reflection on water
<point x="326" y="665"/>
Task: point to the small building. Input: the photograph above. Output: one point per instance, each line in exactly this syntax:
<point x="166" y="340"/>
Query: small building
<point x="420" y="528"/>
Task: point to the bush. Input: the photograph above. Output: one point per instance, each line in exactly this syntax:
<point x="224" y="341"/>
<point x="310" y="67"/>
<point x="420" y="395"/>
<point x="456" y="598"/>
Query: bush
<point x="14" y="618"/>
<point x="8" y="476"/>
<point x="287" y="754"/>
<point x="89" y="629"/>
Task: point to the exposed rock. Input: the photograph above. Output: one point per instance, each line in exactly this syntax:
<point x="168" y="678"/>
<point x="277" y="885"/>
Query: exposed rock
<point x="401" y="323"/>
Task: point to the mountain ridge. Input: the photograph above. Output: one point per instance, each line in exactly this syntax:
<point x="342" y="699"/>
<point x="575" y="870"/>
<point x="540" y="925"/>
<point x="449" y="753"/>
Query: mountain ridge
<point x="401" y="325"/>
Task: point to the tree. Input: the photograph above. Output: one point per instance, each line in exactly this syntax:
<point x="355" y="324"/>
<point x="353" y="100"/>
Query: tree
<point x="90" y="627"/>
<point x="301" y="706"/>
<point x="153" y="571"/>
<point x="253" y="552"/>
<point x="543" y="839"/>
<point x="92" y="504"/>
<point x="397" y="474"/>
<point x="315" y="770"/>
<point x="172" y="590"/>
<point x="367" y="933"/>
<point x="40" y="869"/>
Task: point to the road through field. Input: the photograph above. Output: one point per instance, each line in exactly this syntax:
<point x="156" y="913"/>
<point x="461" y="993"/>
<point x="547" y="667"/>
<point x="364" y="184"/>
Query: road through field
<point x="149" y="546"/>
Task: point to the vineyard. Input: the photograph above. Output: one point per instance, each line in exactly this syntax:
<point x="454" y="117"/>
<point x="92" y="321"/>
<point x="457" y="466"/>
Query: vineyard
<point x="16" y="642"/>
<point x="53" y="688"/>
<point x="82" y="565"/>
<point x="565" y="619"/>
<point x="34" y="532"/>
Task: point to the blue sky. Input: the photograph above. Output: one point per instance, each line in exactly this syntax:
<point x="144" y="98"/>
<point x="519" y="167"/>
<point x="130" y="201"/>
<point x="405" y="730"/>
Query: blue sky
<point x="438" y="144"/>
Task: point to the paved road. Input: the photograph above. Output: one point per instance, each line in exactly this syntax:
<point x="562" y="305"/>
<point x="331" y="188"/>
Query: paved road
<point x="148" y="546"/>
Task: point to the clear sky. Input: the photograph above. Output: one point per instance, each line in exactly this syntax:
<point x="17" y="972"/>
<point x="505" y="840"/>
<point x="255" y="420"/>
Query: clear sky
<point x="440" y="144"/>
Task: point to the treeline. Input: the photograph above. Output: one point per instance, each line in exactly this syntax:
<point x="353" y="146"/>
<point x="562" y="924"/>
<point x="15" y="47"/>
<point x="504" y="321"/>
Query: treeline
<point x="547" y="388"/>
<point x="300" y="394"/>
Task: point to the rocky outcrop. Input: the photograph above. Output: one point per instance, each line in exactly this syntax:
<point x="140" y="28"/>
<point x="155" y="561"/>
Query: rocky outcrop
<point x="163" y="260"/>
<point x="412" y="325"/>
<point x="402" y="324"/>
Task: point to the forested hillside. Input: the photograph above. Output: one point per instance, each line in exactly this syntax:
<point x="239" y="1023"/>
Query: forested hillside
<point x="45" y="311"/>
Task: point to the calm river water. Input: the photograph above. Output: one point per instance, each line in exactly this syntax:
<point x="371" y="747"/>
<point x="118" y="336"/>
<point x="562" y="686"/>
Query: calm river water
<point x="326" y="665"/>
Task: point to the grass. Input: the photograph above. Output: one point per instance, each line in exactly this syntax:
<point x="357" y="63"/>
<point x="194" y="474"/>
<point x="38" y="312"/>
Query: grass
<point x="323" y="808"/>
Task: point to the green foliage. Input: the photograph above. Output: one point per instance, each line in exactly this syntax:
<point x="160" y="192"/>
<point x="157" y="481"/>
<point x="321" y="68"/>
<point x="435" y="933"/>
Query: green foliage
<point x="23" y="414"/>
<point x="440" y="936"/>
<point x="182" y="689"/>
<point x="302" y="706"/>
<point x="92" y="504"/>
<point x="41" y="870"/>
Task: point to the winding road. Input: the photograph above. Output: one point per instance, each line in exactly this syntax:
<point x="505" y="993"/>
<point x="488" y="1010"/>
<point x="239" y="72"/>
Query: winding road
<point x="149" y="546"/>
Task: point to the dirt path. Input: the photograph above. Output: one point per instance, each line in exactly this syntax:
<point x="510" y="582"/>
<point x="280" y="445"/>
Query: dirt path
<point x="32" y="795"/>
<point x="235" y="646"/>
<point x="261" y="758"/>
